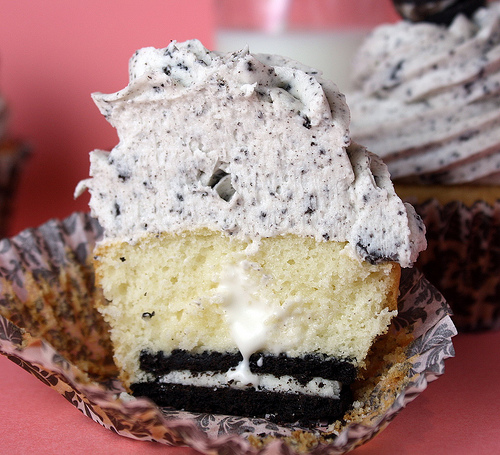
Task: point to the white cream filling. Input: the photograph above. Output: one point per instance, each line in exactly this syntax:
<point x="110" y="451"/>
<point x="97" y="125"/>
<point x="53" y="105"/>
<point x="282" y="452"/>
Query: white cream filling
<point x="247" y="314"/>
<point x="324" y="388"/>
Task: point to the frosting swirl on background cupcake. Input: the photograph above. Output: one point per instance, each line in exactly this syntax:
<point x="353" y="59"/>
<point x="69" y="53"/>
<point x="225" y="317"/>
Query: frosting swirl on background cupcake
<point x="426" y="98"/>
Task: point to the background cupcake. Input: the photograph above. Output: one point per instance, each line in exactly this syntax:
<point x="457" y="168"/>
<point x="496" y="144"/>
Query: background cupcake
<point x="426" y="98"/>
<point x="12" y="155"/>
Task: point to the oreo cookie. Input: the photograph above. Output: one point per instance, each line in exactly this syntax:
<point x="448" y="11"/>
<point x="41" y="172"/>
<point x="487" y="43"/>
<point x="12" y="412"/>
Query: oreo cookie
<point x="437" y="11"/>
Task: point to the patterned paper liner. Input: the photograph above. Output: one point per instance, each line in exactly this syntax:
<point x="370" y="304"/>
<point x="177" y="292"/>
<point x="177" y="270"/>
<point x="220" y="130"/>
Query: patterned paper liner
<point x="48" y="327"/>
<point x="463" y="260"/>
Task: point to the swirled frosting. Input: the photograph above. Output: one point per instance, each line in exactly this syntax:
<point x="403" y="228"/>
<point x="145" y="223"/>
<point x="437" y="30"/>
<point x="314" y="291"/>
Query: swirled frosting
<point x="426" y="98"/>
<point x="253" y="145"/>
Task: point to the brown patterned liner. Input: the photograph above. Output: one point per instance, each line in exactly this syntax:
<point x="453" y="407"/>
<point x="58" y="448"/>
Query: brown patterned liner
<point x="463" y="260"/>
<point x="49" y="327"/>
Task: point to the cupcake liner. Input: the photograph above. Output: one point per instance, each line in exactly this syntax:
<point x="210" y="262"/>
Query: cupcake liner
<point x="49" y="327"/>
<point x="463" y="260"/>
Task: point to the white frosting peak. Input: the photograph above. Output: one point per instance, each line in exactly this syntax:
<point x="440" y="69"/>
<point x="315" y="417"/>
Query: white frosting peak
<point x="253" y="145"/>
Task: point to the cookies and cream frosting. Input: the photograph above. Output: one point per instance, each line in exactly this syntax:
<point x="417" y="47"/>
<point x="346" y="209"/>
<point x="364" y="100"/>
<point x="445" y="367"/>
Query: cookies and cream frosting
<point x="426" y="98"/>
<point x="253" y="145"/>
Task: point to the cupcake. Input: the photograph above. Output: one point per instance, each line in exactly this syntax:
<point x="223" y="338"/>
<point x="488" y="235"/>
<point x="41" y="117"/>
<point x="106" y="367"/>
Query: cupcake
<point x="426" y="98"/>
<point x="251" y="254"/>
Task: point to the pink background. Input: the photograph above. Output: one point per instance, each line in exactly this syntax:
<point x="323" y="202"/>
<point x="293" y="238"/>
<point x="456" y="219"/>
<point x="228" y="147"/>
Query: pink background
<point x="53" y="55"/>
<point x="302" y="14"/>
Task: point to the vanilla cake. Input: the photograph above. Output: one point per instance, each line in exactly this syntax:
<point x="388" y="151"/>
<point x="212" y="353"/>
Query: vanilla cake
<point x="251" y="254"/>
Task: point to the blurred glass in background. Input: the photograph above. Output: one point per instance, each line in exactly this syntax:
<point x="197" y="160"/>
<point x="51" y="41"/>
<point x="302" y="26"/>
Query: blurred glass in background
<point x="323" y="34"/>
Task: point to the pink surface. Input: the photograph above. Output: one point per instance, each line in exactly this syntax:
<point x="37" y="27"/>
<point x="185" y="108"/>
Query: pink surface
<point x="53" y="55"/>
<point x="457" y="414"/>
